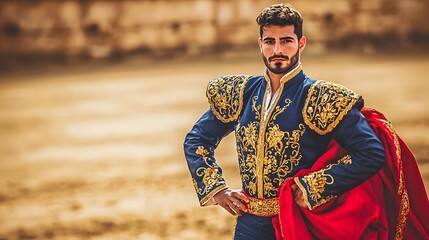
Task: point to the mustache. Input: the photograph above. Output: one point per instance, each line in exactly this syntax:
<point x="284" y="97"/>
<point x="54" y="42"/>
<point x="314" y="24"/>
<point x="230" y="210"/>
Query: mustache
<point x="278" y="56"/>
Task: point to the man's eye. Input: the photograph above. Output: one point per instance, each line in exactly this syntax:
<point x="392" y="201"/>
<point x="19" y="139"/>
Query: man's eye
<point x="269" y="42"/>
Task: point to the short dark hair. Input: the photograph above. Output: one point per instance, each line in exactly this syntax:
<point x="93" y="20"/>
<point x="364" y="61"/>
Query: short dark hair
<point x="280" y="15"/>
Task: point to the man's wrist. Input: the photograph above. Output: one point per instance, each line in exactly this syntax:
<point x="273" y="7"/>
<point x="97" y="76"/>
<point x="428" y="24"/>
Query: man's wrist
<point x="212" y="201"/>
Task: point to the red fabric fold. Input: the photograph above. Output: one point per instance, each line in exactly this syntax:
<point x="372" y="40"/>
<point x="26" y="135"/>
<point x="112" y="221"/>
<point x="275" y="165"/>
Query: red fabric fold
<point x="392" y="204"/>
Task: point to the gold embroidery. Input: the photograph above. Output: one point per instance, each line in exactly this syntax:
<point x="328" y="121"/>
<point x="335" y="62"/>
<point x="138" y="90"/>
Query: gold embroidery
<point x="246" y="137"/>
<point x="402" y="193"/>
<point x="275" y="137"/>
<point x="256" y="108"/>
<point x="281" y="145"/>
<point x="316" y="183"/>
<point x="323" y="201"/>
<point x="263" y="207"/>
<point x="202" y="151"/>
<point x="266" y="153"/>
<point x="287" y="150"/>
<point x="211" y="176"/>
<point x="280" y="154"/>
<point x="251" y="136"/>
<point x="225" y="95"/>
<point x="345" y="160"/>
<point x="326" y="105"/>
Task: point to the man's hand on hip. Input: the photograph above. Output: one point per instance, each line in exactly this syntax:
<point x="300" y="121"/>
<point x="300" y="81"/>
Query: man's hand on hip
<point x="232" y="200"/>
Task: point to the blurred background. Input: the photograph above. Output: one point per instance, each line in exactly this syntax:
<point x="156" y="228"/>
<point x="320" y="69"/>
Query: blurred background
<point x="97" y="96"/>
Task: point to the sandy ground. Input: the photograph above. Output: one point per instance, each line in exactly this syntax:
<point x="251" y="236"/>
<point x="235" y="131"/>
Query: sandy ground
<point x="95" y="152"/>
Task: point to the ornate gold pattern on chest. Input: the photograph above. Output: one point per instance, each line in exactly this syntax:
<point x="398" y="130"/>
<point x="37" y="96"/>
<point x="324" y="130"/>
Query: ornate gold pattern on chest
<point x="282" y="153"/>
<point x="267" y="153"/>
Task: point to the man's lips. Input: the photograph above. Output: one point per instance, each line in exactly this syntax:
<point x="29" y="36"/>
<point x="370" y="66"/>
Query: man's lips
<point x="278" y="59"/>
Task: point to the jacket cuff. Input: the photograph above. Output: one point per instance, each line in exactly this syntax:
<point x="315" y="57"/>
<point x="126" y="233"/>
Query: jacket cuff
<point x="205" y="200"/>
<point x="312" y="189"/>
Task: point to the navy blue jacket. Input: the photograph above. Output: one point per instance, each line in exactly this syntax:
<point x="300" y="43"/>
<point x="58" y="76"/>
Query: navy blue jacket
<point x="306" y="115"/>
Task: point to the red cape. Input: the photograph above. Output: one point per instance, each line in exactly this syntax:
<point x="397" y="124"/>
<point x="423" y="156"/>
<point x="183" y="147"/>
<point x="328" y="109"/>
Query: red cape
<point x="392" y="204"/>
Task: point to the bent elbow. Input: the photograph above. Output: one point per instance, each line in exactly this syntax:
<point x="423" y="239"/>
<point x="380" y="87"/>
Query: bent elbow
<point x="188" y="141"/>
<point x="379" y="157"/>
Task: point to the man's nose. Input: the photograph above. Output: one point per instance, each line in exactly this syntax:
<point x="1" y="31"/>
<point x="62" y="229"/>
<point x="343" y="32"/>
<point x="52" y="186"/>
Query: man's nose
<point x="278" y="49"/>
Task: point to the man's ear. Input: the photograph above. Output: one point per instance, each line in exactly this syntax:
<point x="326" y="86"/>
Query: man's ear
<point x="260" y="44"/>
<point x="302" y="43"/>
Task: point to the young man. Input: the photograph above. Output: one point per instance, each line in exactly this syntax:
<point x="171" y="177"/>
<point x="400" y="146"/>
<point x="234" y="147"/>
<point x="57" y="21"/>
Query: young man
<point x="283" y="122"/>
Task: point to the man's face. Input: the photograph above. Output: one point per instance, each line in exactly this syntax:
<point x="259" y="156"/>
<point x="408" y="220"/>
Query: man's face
<point x="280" y="48"/>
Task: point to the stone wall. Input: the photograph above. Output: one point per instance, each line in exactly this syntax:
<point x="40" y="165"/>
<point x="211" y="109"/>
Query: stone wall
<point x="105" y="28"/>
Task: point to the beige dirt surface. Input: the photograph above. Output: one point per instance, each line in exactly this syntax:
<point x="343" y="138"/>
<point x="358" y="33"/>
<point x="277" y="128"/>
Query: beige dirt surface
<point x="95" y="152"/>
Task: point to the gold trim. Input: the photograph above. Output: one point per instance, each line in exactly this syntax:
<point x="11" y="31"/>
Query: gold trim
<point x="403" y="216"/>
<point x="323" y="201"/>
<point x="260" y="148"/>
<point x="344" y="101"/>
<point x="291" y="75"/>
<point x="389" y="126"/>
<point x="287" y="76"/>
<point x="404" y="208"/>
<point x="209" y="195"/>
<point x="263" y="125"/>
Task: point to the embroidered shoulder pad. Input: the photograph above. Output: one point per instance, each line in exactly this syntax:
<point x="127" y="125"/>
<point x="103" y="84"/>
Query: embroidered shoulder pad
<point x="225" y="95"/>
<point x="326" y="105"/>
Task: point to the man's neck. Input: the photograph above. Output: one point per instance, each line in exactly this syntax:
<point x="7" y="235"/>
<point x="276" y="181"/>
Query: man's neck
<point x="275" y="79"/>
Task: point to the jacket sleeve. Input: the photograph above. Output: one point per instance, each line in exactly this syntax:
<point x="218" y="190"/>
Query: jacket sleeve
<point x="366" y="157"/>
<point x="199" y="147"/>
<point x="225" y="96"/>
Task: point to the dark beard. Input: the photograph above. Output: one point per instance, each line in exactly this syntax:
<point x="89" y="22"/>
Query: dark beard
<point x="278" y="69"/>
